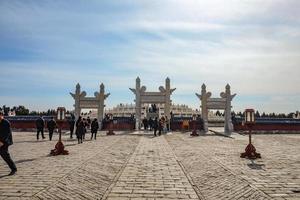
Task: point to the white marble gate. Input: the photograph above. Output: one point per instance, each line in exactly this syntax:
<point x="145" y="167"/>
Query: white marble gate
<point x="83" y="102"/>
<point x="141" y="97"/>
<point x="223" y="103"/>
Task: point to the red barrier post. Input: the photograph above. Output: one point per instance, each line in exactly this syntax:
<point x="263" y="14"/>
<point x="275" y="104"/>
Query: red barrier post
<point x="59" y="148"/>
<point x="250" y="150"/>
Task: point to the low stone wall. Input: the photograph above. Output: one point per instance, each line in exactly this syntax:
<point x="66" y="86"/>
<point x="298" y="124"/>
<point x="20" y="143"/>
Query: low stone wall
<point x="181" y="125"/>
<point x="265" y="128"/>
<point x="27" y="125"/>
<point x="118" y="126"/>
<point x="263" y="125"/>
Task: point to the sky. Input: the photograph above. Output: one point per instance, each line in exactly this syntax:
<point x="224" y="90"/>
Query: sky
<point x="47" y="47"/>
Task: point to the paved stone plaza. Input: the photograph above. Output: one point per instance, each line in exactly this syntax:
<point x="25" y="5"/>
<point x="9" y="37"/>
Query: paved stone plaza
<point x="136" y="165"/>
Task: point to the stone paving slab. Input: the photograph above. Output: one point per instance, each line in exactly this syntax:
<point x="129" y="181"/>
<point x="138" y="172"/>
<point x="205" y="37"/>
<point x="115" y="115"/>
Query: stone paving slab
<point x="84" y="174"/>
<point x="134" y="165"/>
<point x="152" y="173"/>
<point x="214" y="164"/>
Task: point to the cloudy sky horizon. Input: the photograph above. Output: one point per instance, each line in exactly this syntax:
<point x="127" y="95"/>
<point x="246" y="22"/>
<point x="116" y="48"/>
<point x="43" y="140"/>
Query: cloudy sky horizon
<point x="47" y="47"/>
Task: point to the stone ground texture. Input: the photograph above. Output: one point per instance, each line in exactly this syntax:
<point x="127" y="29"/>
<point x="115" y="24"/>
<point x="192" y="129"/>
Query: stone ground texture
<point x="136" y="165"/>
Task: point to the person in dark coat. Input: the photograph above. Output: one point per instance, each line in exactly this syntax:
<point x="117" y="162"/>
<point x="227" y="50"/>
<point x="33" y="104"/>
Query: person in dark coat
<point x="80" y="130"/>
<point x="51" y="125"/>
<point x="77" y="125"/>
<point x="160" y="126"/>
<point x="145" y="123"/>
<point x="150" y="123"/>
<point x="77" y="122"/>
<point x="155" y="125"/>
<point x="94" y="128"/>
<point x="5" y="141"/>
<point x="71" y="124"/>
<point x="40" y="123"/>
<point x="85" y="123"/>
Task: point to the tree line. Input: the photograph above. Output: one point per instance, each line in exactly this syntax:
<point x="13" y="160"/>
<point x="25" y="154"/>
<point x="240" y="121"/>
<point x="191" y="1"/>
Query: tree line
<point x="263" y="114"/>
<point x="268" y="115"/>
<point x="22" y="110"/>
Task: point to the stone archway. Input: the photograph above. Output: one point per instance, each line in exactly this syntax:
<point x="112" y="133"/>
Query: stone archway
<point x="223" y="103"/>
<point x="83" y="102"/>
<point x="143" y="97"/>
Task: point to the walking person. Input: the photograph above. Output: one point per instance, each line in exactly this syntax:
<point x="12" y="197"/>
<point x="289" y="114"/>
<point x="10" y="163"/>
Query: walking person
<point x="94" y="128"/>
<point x="145" y="123"/>
<point x="77" y="126"/>
<point x="85" y="124"/>
<point x="51" y="125"/>
<point x="40" y="124"/>
<point x="160" y="126"/>
<point x="150" y="123"/>
<point x="80" y="130"/>
<point x="5" y="141"/>
<point x="71" y="124"/>
<point x="77" y="122"/>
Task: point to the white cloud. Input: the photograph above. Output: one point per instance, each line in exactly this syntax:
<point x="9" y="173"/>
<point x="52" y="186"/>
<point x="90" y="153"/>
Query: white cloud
<point x="253" y="45"/>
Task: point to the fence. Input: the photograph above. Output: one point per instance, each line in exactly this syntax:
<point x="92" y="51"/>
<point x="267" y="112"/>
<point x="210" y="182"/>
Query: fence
<point x="269" y="124"/>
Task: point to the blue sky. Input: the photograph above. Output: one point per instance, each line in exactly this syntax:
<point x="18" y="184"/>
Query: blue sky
<point x="46" y="47"/>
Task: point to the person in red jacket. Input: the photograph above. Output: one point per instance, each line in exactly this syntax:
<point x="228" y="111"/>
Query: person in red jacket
<point x="5" y="142"/>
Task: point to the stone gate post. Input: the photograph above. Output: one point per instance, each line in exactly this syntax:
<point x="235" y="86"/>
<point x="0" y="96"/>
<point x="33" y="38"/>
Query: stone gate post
<point x="138" y="108"/>
<point x="204" y="110"/>
<point x="77" y="97"/>
<point x="167" y="99"/>
<point x="228" y="128"/>
<point x="101" y="97"/>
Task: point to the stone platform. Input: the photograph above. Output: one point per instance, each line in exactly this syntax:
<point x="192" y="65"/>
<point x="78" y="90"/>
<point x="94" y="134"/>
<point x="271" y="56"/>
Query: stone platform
<point x="136" y="165"/>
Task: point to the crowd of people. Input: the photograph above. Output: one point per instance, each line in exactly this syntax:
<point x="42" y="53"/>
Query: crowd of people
<point x="161" y="125"/>
<point x="82" y="126"/>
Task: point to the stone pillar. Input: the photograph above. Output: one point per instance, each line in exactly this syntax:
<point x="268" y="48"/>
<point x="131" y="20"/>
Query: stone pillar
<point x="77" y="97"/>
<point x="167" y="99"/>
<point x="101" y="97"/>
<point x="228" y="128"/>
<point x="204" y="111"/>
<point x="138" y="108"/>
<point x="167" y="92"/>
<point x="137" y="91"/>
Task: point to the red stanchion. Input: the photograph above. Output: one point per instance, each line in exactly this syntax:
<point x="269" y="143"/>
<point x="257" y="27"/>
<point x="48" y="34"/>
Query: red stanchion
<point x="59" y="147"/>
<point x="250" y="150"/>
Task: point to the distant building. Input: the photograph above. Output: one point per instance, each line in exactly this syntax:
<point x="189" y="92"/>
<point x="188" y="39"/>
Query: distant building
<point x="121" y="110"/>
<point x="178" y="110"/>
<point x="126" y="110"/>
